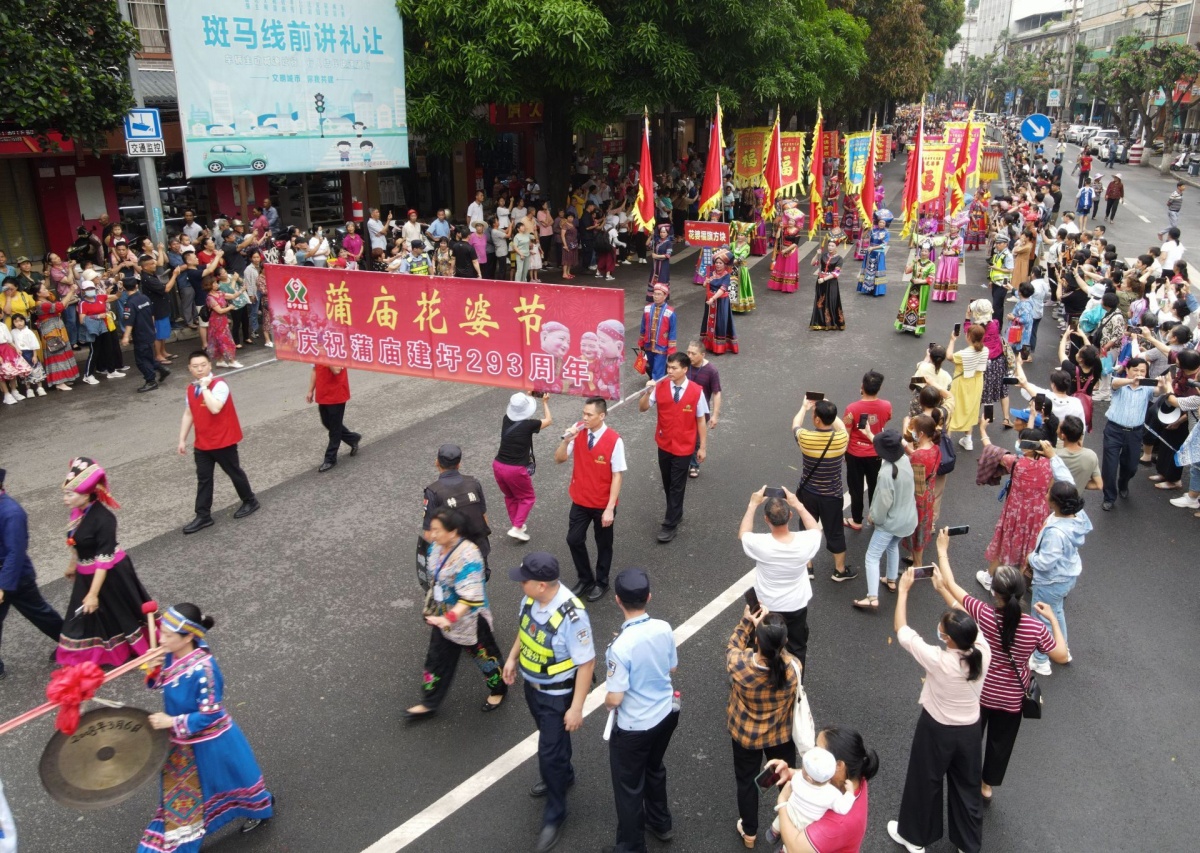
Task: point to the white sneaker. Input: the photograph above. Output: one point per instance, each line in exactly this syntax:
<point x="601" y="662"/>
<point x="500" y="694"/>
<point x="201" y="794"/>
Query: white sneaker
<point x="18" y="395"/>
<point x="627" y="261"/>
<point x="893" y="828"/>
<point x="236" y="365"/>
<point x="608" y="278"/>
<point x="9" y="399"/>
<point x="641" y="260"/>
<point x="41" y="392"/>
<point x="592" y="267"/>
<point x="985" y="580"/>
<point x="270" y="344"/>
<point x="115" y="374"/>
<point x="91" y="380"/>
<point x="965" y="443"/>
<point x="1039" y="668"/>
<point x="1186" y="501"/>
<point x="518" y="533"/>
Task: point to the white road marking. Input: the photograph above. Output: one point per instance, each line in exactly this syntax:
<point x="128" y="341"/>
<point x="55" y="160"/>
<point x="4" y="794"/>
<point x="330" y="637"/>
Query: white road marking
<point x="244" y="368"/>
<point x="1144" y="219"/>
<point x="470" y="788"/>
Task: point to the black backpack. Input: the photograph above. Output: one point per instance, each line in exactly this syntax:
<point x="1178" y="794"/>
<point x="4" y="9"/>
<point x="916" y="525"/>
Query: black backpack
<point x="602" y="242"/>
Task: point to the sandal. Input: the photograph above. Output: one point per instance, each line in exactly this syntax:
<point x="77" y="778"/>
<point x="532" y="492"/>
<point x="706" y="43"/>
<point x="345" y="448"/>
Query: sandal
<point x="693" y="472"/>
<point x="852" y="525"/>
<point x="748" y="840"/>
<point x="868" y="603"/>
<point x="1167" y="487"/>
<point x="1007" y="424"/>
<point x="890" y="584"/>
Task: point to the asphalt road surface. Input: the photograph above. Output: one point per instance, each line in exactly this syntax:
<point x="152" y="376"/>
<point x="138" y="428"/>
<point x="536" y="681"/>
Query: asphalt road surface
<point x="321" y="641"/>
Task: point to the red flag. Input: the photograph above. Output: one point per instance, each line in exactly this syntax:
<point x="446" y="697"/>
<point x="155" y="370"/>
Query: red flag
<point x="958" y="186"/>
<point x="710" y="191"/>
<point x="866" y="196"/>
<point x="816" y="173"/>
<point x="642" y="214"/>
<point x="773" y="174"/>
<point x="912" y="179"/>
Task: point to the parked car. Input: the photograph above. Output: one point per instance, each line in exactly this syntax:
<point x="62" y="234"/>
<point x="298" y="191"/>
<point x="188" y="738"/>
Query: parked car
<point x="1073" y="132"/>
<point x="1086" y="134"/>
<point x="231" y="157"/>
<point x="1099" y="138"/>
<point x="1120" y="155"/>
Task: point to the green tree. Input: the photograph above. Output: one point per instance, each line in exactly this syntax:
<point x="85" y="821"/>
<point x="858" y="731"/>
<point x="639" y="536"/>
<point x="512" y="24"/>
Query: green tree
<point x="1120" y="81"/>
<point x="65" y="67"/>
<point x="590" y="62"/>
<point x="1166" y="64"/>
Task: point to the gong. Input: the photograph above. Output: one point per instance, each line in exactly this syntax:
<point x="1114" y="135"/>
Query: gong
<point x="112" y="754"/>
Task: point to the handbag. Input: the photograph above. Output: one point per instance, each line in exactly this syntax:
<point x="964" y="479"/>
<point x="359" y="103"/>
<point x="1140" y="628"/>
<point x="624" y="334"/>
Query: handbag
<point x="1031" y="701"/>
<point x="54" y="344"/>
<point x="1016" y="330"/>
<point x="639" y="361"/>
<point x="804" y="729"/>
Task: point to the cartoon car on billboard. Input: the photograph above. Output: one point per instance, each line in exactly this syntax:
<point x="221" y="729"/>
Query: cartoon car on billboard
<point x="232" y="157"/>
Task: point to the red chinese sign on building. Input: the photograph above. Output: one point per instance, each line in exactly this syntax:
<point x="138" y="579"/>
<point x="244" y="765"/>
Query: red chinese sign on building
<point x="706" y="234"/>
<point x="544" y="337"/>
<point x="522" y="113"/>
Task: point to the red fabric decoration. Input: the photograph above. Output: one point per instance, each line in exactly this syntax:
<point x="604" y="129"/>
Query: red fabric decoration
<point x="70" y="687"/>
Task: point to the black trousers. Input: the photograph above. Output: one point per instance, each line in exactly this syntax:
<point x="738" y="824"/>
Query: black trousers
<point x="239" y="322"/>
<point x="554" y="750"/>
<point x="860" y="471"/>
<point x="441" y="661"/>
<point x="1172" y="439"/>
<point x="206" y="461"/>
<point x="28" y="600"/>
<point x="746" y="765"/>
<point x="331" y="419"/>
<point x="500" y="271"/>
<point x="1110" y="208"/>
<point x="1119" y="461"/>
<point x="951" y="752"/>
<point x="105" y="355"/>
<point x="999" y="730"/>
<point x="999" y="294"/>
<point x="143" y="357"/>
<point x="639" y="781"/>
<point x="674" y="470"/>
<point x="797" y="627"/>
<point x="578" y="521"/>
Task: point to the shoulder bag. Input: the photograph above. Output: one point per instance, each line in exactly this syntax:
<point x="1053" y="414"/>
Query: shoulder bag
<point x="531" y="465"/>
<point x="813" y="469"/>
<point x="1031" y="702"/>
<point x="431" y="604"/>
<point x="804" y="729"/>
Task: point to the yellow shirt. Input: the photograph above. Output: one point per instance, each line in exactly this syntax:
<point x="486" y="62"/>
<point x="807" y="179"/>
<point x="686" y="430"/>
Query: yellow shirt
<point x="16" y="303"/>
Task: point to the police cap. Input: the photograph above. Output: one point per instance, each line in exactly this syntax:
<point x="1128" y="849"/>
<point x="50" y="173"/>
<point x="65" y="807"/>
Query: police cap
<point x="633" y="586"/>
<point x="536" y="566"/>
<point x="449" y="455"/>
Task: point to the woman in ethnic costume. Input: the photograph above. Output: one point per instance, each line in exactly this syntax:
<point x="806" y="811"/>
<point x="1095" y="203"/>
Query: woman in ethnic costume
<point x="827" y="315"/>
<point x="705" y="258"/>
<point x="104" y="622"/>
<point x="716" y="328"/>
<point x="62" y="368"/>
<point x="945" y="281"/>
<point x="872" y="279"/>
<point x="210" y="776"/>
<point x="742" y="300"/>
<point x="758" y="242"/>
<point x="785" y="268"/>
<point x="911" y="316"/>
<point x="977" y="223"/>
<point x="662" y="244"/>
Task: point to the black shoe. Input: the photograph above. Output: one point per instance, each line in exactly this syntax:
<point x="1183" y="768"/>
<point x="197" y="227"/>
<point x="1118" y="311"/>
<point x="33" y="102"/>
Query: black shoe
<point x="1123" y="493"/>
<point x="163" y="373"/>
<point x="248" y="508"/>
<point x="666" y="534"/>
<point x="198" y="523"/>
<point x="420" y="715"/>
<point x="147" y="386"/>
<point x="354" y="446"/>
<point x="848" y="575"/>
<point x="488" y="707"/>
<point x="325" y="466"/>
<point x="253" y="823"/>
<point x="580" y="588"/>
<point x="539" y="788"/>
<point x="1106" y="506"/>
<point x="664" y="835"/>
<point x="547" y="838"/>
<point x="597" y="592"/>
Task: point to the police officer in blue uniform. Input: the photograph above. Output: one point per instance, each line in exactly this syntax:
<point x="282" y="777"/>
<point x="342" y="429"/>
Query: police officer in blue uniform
<point x="554" y="652"/>
<point x="640" y="662"/>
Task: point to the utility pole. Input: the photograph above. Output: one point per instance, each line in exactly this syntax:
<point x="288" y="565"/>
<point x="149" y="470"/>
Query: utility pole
<point x="1160" y="10"/>
<point x="1069" y="94"/>
<point x="151" y="197"/>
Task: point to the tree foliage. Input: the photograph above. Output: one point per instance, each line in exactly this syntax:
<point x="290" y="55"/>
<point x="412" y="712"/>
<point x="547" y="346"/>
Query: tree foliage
<point x="1120" y="82"/>
<point x="65" y="67"/>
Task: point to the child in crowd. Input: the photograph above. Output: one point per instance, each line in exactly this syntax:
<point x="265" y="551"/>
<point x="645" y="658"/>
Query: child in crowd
<point x="812" y="794"/>
<point x="25" y="341"/>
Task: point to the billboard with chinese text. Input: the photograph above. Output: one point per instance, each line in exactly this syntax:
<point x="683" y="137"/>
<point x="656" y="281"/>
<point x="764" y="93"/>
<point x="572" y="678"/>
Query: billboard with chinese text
<point x="543" y="337"/>
<point x="706" y="234"/>
<point x="289" y="85"/>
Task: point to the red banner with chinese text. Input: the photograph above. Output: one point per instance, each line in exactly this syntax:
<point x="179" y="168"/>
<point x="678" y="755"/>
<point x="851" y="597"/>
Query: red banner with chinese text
<point x="749" y="156"/>
<point x="543" y="337"/>
<point x="706" y="234"/>
<point x="831" y="144"/>
<point x="791" y="165"/>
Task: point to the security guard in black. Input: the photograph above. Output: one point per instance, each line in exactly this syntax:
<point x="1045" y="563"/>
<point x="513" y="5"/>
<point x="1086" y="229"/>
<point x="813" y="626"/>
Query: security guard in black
<point x="461" y="493"/>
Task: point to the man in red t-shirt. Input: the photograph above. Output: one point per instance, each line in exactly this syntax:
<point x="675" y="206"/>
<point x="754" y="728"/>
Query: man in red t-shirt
<point x="1084" y="164"/>
<point x="329" y="387"/>
<point x="681" y="419"/>
<point x="862" y="462"/>
<point x="210" y="410"/>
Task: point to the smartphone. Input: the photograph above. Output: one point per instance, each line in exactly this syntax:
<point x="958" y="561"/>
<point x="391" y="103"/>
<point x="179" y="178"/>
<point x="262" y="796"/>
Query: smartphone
<point x="862" y="420"/>
<point x="1039" y="401"/>
<point x="774" y="492"/>
<point x="989" y="412"/>
<point x="916" y="383"/>
<point x="767" y="779"/>
<point x="960" y="530"/>
<point x="1074" y="324"/>
<point x="814" y="395"/>
<point x="957" y="329"/>
<point x="1147" y="383"/>
<point x="922" y="573"/>
<point x="1027" y="444"/>
<point x="1011" y="380"/>
<point x="752" y="600"/>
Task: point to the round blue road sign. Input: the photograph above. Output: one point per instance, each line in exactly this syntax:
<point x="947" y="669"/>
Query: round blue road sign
<point x="1035" y="128"/>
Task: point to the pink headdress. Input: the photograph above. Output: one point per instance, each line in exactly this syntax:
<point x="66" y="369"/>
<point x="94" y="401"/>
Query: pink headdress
<point x="85" y="477"/>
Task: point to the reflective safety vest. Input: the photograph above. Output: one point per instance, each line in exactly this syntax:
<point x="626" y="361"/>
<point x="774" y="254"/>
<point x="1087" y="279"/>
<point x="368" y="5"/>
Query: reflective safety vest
<point x="418" y="266"/>
<point x="537" y="639"/>
<point x="999" y="271"/>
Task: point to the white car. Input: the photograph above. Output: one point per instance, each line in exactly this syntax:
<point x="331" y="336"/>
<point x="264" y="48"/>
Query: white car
<point x="1100" y="138"/>
<point x="1087" y="133"/>
<point x="1073" y="132"/>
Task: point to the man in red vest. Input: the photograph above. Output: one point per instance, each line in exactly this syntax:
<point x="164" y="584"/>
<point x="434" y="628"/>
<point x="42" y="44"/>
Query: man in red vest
<point x="210" y="410"/>
<point x="330" y="389"/>
<point x="681" y="411"/>
<point x="657" y="339"/>
<point x="599" y="456"/>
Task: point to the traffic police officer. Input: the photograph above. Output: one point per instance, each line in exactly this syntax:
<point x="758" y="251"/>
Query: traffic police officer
<point x="554" y="652"/>
<point x="459" y="492"/>
<point x="1000" y="272"/>
<point x="639" y="692"/>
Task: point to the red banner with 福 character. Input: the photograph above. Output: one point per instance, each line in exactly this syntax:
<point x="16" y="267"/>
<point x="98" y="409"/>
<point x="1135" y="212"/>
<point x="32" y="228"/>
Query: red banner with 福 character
<point x="542" y="337"/>
<point x="706" y="234"/>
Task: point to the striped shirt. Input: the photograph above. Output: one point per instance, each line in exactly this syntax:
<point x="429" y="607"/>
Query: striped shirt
<point x="1128" y="406"/>
<point x="1001" y="689"/>
<point x="825" y="465"/>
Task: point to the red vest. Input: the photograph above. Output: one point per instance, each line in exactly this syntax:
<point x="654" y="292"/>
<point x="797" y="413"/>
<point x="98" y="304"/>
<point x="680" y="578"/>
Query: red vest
<point x="331" y="389"/>
<point x="676" y="433"/>
<point x="591" y="477"/>
<point x="213" y="431"/>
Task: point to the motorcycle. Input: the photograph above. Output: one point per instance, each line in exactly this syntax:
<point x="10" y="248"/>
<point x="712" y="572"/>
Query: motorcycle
<point x="1180" y="163"/>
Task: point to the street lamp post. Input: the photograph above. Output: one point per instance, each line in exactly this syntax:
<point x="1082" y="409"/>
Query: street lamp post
<point x="1070" y="91"/>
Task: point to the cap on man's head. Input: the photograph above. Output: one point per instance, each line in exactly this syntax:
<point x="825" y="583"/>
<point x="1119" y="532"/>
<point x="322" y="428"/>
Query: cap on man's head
<point x="536" y="566"/>
<point x="23" y="260"/>
<point x="449" y="455"/>
<point x="1034" y="419"/>
<point x="632" y="586"/>
<point x="236" y="223"/>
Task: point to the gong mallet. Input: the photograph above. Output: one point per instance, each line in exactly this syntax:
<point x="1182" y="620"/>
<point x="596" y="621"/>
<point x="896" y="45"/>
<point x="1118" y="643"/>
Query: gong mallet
<point x="149" y="609"/>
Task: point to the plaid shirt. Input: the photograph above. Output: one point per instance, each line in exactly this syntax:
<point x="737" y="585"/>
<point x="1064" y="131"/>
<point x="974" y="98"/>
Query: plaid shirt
<point x="759" y="715"/>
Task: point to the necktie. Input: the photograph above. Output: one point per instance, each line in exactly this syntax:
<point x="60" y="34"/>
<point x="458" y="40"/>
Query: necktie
<point x="678" y="391"/>
<point x="591" y="440"/>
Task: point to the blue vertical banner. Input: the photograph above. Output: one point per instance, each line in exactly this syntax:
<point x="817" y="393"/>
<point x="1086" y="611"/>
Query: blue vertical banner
<point x="289" y="85"/>
<point x="858" y="145"/>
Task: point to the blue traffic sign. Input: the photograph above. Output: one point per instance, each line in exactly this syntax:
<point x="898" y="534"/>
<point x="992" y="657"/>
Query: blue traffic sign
<point x="1035" y="128"/>
<point x="143" y="124"/>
